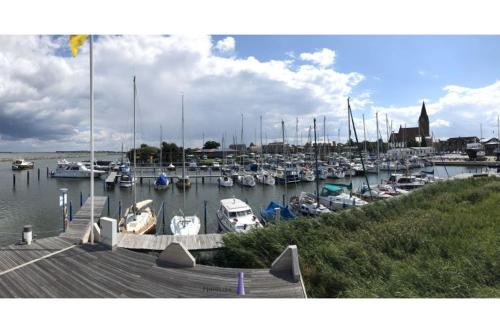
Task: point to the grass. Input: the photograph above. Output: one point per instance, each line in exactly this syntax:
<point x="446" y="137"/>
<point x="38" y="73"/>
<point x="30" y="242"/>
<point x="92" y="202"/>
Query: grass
<point x="439" y="241"/>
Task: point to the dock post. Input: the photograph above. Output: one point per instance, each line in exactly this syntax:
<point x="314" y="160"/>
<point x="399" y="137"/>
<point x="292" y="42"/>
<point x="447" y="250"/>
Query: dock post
<point x="240" y="290"/>
<point x="38" y="174"/>
<point x="47" y="172"/>
<point x="163" y="216"/>
<point x="205" y="215"/>
<point x="81" y="199"/>
<point x="70" y="212"/>
<point x="284" y="200"/>
<point x="28" y="178"/>
<point x="108" y="206"/>
<point x="14" y="180"/>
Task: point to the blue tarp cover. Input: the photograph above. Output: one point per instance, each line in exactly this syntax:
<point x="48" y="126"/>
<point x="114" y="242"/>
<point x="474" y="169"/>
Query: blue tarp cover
<point x="285" y="212"/>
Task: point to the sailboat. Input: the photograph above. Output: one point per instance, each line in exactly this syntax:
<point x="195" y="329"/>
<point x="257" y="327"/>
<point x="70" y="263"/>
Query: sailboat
<point x="224" y="180"/>
<point x="161" y="182"/>
<point x="183" y="182"/>
<point x="139" y="218"/>
<point x="182" y="224"/>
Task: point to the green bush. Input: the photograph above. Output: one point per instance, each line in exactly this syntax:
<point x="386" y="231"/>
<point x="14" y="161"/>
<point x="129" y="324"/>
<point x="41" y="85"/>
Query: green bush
<point x="439" y="241"/>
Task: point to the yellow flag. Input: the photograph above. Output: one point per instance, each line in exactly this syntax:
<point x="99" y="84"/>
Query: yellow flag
<point x="75" y="41"/>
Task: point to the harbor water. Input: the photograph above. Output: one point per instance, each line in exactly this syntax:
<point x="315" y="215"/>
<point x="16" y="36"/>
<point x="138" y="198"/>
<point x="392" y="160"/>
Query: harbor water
<point x="37" y="203"/>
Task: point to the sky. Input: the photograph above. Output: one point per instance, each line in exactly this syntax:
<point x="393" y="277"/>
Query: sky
<point x="44" y="92"/>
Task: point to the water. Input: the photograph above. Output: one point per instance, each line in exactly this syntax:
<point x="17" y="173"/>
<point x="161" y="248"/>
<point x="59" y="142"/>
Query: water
<point x="38" y="203"/>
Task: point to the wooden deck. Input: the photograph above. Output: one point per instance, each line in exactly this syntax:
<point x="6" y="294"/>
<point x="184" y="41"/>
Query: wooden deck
<point x="79" y="229"/>
<point x="160" y="242"/>
<point x="54" y="267"/>
<point x="111" y="180"/>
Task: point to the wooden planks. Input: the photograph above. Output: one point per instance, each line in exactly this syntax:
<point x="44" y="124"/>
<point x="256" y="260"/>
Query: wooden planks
<point x="160" y="242"/>
<point x="79" y="229"/>
<point x="85" y="271"/>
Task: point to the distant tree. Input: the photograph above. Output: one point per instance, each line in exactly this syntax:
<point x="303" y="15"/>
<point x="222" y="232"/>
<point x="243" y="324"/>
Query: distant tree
<point x="211" y="145"/>
<point x="423" y="142"/>
<point x="144" y="154"/>
<point x="171" y="152"/>
<point x="411" y="143"/>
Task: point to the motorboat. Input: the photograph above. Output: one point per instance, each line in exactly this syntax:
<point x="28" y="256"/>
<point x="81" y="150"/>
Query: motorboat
<point x="265" y="178"/>
<point x="21" y="164"/>
<point x="287" y="175"/>
<point x="192" y="166"/>
<point x="225" y="181"/>
<point x="139" y="219"/>
<point x="405" y="182"/>
<point x="161" y="182"/>
<point x="307" y="175"/>
<point x="334" y="197"/>
<point x="306" y="204"/>
<point x="215" y="166"/>
<point x="246" y="180"/>
<point x="74" y="170"/>
<point x="185" y="225"/>
<point x="236" y="216"/>
<point x="391" y="190"/>
<point x="126" y="180"/>
<point x="171" y="167"/>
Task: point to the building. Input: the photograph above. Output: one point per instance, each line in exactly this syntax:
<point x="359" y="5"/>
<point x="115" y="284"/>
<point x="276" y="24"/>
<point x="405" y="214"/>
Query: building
<point x="240" y="147"/>
<point x="401" y="153"/>
<point x="456" y="144"/>
<point x="491" y="147"/>
<point x="412" y="136"/>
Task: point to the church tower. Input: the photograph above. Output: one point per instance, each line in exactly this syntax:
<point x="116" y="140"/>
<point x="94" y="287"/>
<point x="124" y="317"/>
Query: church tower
<point x="423" y="122"/>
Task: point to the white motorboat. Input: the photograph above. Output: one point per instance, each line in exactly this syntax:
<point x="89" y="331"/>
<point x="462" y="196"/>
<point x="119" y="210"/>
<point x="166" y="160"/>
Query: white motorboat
<point x="236" y="216"/>
<point x="405" y="182"/>
<point x="215" y="166"/>
<point x="126" y="180"/>
<point x="225" y="181"/>
<point x="246" y="180"/>
<point x="21" y="164"/>
<point x="334" y="197"/>
<point x="307" y="175"/>
<point x="138" y="219"/>
<point x="171" y="167"/>
<point x="391" y="190"/>
<point x="306" y="204"/>
<point x="265" y="178"/>
<point x="74" y="170"/>
<point x="185" y="225"/>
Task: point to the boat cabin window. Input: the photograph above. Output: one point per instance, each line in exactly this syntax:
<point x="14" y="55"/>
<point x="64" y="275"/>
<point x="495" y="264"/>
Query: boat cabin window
<point x="232" y="214"/>
<point x="75" y="168"/>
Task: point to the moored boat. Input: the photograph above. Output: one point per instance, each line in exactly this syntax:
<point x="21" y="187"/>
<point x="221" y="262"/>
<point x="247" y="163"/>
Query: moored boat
<point x="235" y="215"/>
<point x="21" y="164"/>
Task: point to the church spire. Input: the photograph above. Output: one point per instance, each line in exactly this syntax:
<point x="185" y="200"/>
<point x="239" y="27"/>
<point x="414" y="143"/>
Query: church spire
<point x="423" y="121"/>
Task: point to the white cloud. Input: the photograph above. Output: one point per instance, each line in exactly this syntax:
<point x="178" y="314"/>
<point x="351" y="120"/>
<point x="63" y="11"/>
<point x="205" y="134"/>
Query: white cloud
<point x="44" y="96"/>
<point x="323" y="58"/>
<point x="226" y="45"/>
<point x="458" y="112"/>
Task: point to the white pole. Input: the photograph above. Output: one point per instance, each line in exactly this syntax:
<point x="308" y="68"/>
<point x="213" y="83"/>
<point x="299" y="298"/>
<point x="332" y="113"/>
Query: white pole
<point x="91" y="142"/>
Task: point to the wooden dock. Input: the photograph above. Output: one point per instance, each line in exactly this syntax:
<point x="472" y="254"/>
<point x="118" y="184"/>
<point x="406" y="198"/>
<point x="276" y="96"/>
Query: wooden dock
<point x="79" y="228"/>
<point x="111" y="180"/>
<point x="56" y="268"/>
<point x="160" y="242"/>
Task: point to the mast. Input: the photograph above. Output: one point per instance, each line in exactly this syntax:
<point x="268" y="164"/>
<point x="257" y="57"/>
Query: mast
<point x="91" y="139"/>
<point x="122" y="153"/>
<point x="286" y="178"/>
<point x="324" y="137"/>
<point x="364" y="130"/>
<point x="349" y="141"/>
<point x="161" y="148"/>
<point x="183" y="161"/>
<point x="387" y="130"/>
<point x="316" y="162"/>
<point x="296" y="134"/>
<point x="261" y="147"/>
<point x="378" y="145"/>
<point x="135" y="156"/>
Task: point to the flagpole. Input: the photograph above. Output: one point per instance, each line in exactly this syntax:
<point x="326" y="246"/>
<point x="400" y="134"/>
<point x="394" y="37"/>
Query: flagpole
<point x="91" y="142"/>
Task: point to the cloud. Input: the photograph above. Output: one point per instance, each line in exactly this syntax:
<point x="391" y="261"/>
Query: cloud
<point x="225" y="45"/>
<point x="44" y="95"/>
<point x="427" y="74"/>
<point x="460" y="111"/>
<point x="323" y="58"/>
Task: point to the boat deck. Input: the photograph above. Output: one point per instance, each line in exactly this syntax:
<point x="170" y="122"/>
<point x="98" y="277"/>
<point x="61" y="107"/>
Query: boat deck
<point x="54" y="267"/>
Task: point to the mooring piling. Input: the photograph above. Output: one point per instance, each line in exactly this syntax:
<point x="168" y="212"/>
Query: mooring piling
<point x="28" y="178"/>
<point x="14" y="180"/>
<point x="38" y="174"/>
<point x="81" y="199"/>
<point x="205" y="215"/>
<point x="163" y="216"/>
